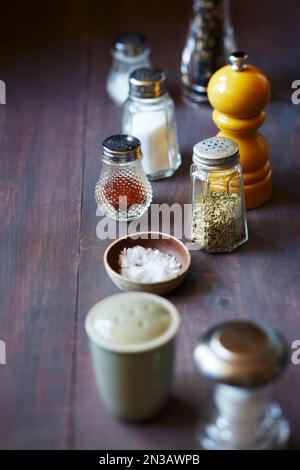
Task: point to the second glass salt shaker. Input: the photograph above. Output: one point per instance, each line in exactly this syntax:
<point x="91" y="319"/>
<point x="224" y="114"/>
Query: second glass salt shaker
<point x="241" y="358"/>
<point x="123" y="191"/>
<point x="129" y="52"/>
<point x="218" y="202"/>
<point x="149" y="114"/>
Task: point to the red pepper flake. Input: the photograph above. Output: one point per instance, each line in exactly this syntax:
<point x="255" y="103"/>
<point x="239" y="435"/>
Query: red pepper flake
<point x="128" y="188"/>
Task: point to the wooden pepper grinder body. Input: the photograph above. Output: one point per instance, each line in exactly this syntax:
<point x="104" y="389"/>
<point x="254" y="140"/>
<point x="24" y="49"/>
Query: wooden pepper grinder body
<point x="238" y="93"/>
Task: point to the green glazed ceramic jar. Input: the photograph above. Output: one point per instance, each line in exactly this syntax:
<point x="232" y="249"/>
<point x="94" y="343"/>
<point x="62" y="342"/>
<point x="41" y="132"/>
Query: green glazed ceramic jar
<point x="132" y="342"/>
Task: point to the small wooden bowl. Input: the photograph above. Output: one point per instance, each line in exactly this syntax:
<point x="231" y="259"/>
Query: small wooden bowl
<point x="161" y="241"/>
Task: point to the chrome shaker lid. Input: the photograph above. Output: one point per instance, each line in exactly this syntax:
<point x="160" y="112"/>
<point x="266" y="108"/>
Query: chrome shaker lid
<point x="241" y="353"/>
<point x="130" y="45"/>
<point x="147" y="83"/>
<point x="121" y="148"/>
<point x="238" y="60"/>
<point x="216" y="153"/>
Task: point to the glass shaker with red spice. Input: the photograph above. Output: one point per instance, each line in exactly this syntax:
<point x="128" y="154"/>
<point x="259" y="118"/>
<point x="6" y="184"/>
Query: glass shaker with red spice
<point x="123" y="191"/>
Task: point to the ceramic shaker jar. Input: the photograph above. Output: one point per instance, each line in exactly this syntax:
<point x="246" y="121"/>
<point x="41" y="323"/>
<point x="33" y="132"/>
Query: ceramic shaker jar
<point x="132" y="341"/>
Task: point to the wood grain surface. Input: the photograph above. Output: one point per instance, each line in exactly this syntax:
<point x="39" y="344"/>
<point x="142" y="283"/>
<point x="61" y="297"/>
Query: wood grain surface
<point x="54" y="58"/>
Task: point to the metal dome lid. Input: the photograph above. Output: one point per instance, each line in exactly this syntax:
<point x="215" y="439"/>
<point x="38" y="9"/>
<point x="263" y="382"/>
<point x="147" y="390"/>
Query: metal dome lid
<point x="130" y="45"/>
<point x="147" y="83"/>
<point x="241" y="353"/>
<point x="121" y="148"/>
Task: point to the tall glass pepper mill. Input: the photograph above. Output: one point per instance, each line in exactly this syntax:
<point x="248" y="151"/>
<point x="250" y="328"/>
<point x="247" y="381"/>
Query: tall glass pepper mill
<point x="210" y="37"/>
<point x="242" y="358"/>
<point x="129" y="52"/>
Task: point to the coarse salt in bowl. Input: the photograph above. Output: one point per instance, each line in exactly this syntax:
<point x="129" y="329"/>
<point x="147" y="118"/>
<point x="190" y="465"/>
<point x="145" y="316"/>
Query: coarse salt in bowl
<point x="166" y="244"/>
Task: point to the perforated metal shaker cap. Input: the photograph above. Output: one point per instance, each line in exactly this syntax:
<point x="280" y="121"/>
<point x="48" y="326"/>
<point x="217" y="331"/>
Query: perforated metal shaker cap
<point x="147" y="83"/>
<point x="121" y="148"/>
<point x="216" y="153"/>
<point x="241" y="353"/>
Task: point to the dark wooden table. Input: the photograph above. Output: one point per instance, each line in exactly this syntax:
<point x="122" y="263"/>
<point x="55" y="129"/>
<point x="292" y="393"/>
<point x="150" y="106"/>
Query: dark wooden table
<point x="54" y="58"/>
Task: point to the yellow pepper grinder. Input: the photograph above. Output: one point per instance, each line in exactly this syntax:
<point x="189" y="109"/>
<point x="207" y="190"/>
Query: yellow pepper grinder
<point x="238" y="93"/>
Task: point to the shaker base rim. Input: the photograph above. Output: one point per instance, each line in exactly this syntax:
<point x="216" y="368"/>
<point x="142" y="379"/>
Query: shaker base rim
<point x="163" y="174"/>
<point x="274" y="437"/>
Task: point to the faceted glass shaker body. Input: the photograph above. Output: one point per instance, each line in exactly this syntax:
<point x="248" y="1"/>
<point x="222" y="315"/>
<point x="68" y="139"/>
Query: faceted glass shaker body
<point x="242" y="419"/>
<point x="117" y="84"/>
<point x="123" y="191"/>
<point x="153" y="122"/>
<point x="218" y="208"/>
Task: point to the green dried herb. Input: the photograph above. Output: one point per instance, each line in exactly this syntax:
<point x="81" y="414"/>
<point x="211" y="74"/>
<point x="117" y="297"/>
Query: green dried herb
<point x="216" y="221"/>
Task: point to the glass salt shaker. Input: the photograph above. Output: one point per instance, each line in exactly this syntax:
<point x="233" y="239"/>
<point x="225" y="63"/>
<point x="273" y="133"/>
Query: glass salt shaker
<point x="240" y="359"/>
<point x="129" y="52"/>
<point x="123" y="191"/>
<point x="218" y="203"/>
<point x="149" y="114"/>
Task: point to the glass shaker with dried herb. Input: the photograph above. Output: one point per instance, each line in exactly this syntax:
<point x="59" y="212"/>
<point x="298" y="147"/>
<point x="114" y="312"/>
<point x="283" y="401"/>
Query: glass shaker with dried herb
<point x="218" y="206"/>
